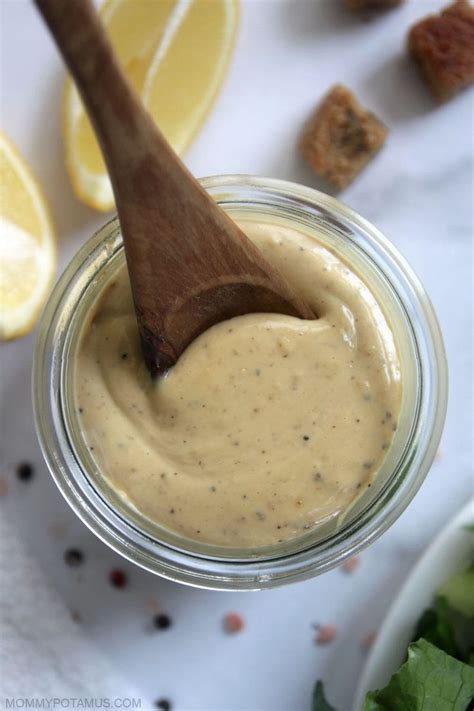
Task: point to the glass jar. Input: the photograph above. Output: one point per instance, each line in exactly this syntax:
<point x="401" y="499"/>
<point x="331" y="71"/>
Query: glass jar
<point x="421" y="419"/>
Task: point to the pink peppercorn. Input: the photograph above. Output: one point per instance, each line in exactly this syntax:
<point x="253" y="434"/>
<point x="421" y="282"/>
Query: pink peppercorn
<point x="351" y="564"/>
<point x="325" y="634"/>
<point x="233" y="623"/>
<point x="118" y="578"/>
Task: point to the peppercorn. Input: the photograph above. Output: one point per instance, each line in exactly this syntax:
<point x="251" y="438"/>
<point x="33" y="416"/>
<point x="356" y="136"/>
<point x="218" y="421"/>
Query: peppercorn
<point x="118" y="578"/>
<point x="162" y="622"/>
<point x="73" y="557"/>
<point x="25" y="471"/>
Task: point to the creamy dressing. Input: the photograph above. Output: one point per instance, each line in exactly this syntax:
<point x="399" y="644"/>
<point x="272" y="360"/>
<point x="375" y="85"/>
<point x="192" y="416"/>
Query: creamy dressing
<point x="267" y="425"/>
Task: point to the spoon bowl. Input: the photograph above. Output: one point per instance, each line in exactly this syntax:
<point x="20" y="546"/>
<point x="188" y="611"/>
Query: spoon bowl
<point x="190" y="266"/>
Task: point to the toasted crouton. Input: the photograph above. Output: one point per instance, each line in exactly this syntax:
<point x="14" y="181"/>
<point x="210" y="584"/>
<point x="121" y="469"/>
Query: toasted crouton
<point x="443" y="46"/>
<point x="341" y="137"/>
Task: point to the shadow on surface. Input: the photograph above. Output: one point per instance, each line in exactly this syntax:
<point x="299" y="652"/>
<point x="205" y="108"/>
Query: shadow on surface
<point x="307" y="20"/>
<point x="396" y="85"/>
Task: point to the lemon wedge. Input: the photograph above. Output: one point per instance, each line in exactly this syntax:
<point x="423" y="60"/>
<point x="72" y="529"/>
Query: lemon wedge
<point x="175" y="53"/>
<point x="27" y="245"/>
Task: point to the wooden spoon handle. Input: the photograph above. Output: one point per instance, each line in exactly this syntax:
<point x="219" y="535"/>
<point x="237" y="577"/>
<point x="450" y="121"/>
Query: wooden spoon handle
<point x="189" y="264"/>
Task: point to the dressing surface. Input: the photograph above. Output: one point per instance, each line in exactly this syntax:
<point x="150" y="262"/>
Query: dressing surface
<point x="267" y="426"/>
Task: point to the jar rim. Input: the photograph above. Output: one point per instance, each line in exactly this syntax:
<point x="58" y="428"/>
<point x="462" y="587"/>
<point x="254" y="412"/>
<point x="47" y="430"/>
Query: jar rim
<point x="246" y="574"/>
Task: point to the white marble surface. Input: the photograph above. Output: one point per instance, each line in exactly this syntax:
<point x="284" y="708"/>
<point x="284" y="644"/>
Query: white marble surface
<point x="418" y="190"/>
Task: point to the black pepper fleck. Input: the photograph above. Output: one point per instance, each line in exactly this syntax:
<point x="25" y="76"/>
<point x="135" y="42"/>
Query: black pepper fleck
<point x="162" y="621"/>
<point x="25" y="471"/>
<point x="73" y="557"/>
<point x="163" y="705"/>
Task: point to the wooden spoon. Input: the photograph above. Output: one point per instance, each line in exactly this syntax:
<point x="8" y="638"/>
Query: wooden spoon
<point x="190" y="266"/>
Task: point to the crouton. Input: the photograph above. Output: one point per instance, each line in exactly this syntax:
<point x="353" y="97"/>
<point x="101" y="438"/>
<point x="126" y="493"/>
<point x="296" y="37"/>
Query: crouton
<point x="341" y="137"/>
<point x="443" y="46"/>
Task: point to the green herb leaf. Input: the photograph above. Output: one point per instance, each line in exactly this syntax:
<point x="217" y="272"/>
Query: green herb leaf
<point x="435" y="625"/>
<point x="430" y="680"/>
<point x="319" y="699"/>
<point x="459" y="592"/>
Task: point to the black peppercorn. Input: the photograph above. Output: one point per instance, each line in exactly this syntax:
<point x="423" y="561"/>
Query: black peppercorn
<point x="73" y="557"/>
<point x="163" y="704"/>
<point x="25" y="471"/>
<point x="162" y="621"/>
